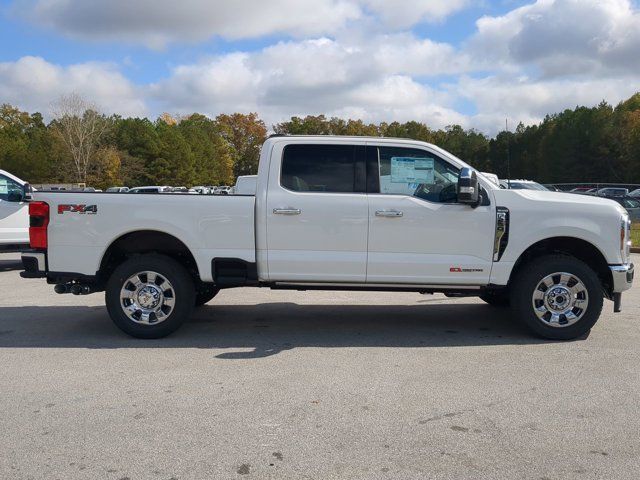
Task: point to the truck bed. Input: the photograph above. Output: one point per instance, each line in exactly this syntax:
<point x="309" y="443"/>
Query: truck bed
<point x="83" y="225"/>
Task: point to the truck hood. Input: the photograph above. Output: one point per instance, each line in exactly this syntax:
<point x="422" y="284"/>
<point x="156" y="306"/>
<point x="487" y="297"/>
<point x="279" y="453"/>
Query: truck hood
<point x="562" y="200"/>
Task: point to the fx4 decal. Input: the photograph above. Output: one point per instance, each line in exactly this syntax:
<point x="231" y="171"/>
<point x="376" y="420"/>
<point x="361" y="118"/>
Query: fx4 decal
<point x="82" y="209"/>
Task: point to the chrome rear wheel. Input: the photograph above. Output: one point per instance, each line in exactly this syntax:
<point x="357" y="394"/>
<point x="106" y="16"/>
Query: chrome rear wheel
<point x="150" y="295"/>
<point x="147" y="298"/>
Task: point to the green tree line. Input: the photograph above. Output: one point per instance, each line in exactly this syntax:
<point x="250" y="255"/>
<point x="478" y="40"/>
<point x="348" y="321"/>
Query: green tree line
<point x="586" y="144"/>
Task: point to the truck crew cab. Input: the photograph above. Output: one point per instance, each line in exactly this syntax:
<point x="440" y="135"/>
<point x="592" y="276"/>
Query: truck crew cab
<point x="339" y="213"/>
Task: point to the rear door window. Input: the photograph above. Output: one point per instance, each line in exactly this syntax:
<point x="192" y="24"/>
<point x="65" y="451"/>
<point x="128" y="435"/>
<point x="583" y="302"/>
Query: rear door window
<point x="323" y="168"/>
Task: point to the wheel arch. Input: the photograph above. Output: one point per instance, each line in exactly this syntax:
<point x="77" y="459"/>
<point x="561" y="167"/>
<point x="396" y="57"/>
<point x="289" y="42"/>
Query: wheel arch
<point x="572" y="246"/>
<point x="140" y="242"/>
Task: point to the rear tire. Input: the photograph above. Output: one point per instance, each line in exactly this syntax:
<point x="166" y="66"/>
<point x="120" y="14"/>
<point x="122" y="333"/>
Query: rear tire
<point x="205" y="294"/>
<point x="557" y="297"/>
<point x="150" y="296"/>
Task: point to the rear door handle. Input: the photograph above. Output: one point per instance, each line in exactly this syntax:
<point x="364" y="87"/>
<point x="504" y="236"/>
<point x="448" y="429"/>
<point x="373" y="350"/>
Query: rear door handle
<point x="389" y="213"/>
<point x="287" y="211"/>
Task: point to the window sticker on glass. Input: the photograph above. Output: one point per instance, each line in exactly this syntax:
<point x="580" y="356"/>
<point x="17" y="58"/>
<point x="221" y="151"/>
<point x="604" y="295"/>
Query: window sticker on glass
<point x="4" y="186"/>
<point x="412" y="170"/>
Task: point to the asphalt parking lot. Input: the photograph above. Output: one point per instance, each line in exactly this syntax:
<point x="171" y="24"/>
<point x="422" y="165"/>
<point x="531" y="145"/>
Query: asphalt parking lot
<point x="317" y="385"/>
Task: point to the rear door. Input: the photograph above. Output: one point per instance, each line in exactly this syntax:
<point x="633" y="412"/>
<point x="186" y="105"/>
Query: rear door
<point x="418" y="233"/>
<point x="317" y="213"/>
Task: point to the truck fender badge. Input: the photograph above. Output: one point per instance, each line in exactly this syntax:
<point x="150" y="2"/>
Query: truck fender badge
<point x="81" y="209"/>
<point x="465" y="270"/>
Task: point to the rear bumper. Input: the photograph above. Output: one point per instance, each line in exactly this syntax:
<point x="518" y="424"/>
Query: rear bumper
<point x="34" y="264"/>
<point x="622" y="277"/>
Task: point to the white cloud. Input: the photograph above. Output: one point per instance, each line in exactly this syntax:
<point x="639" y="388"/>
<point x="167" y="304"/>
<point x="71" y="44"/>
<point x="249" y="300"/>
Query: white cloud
<point x="156" y="23"/>
<point x="313" y="77"/>
<point x="529" y="101"/>
<point x="404" y="13"/>
<point x="564" y="37"/>
<point x="352" y="60"/>
<point x="32" y="83"/>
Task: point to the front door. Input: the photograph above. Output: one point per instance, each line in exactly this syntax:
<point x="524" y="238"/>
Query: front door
<point x="418" y="233"/>
<point x="317" y="213"/>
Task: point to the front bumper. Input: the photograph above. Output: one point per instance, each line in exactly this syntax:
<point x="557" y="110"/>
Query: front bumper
<point x="622" y="277"/>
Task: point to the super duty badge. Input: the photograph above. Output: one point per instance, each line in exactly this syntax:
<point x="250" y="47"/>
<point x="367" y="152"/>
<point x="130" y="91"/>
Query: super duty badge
<point x="81" y="209"/>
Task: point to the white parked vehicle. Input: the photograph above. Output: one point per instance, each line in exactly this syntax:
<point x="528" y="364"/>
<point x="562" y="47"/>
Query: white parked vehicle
<point x="246" y="185"/>
<point x="152" y="189"/>
<point x="117" y="190"/>
<point x="492" y="177"/>
<point x="339" y="213"/>
<point x="14" y="214"/>
<point x="523" y="185"/>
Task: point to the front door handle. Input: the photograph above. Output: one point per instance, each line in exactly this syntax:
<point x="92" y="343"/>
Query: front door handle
<point x="287" y="211"/>
<point x="389" y="213"/>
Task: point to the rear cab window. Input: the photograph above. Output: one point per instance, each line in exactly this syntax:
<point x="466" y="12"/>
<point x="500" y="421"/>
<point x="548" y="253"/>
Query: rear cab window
<point x="323" y="168"/>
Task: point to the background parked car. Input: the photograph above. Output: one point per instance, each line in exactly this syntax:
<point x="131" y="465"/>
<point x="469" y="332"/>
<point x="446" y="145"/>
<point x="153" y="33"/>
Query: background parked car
<point x="522" y="185"/>
<point x="224" y="190"/>
<point x="612" y="192"/>
<point x="117" y="189"/>
<point x="152" y="189"/>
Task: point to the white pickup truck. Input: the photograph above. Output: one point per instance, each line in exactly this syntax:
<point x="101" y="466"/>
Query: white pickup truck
<point x="14" y="216"/>
<point x="339" y="213"/>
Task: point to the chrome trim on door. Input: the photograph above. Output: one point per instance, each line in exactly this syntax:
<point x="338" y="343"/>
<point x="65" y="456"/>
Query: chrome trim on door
<point x="287" y="211"/>
<point x="389" y="213"/>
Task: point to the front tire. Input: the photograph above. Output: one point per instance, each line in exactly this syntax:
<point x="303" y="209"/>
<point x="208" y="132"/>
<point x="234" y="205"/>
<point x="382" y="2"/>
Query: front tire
<point x="150" y="296"/>
<point x="557" y="297"/>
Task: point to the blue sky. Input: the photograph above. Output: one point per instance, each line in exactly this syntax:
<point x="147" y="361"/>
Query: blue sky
<point x="441" y="62"/>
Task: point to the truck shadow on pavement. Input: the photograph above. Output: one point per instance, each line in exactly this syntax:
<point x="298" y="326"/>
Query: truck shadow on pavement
<point x="257" y="331"/>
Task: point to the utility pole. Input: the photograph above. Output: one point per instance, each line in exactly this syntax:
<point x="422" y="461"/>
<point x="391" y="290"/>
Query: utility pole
<point x="506" y="125"/>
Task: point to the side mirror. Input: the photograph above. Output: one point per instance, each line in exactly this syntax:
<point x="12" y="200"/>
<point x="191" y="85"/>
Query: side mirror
<point x="15" y="196"/>
<point x="27" y="194"/>
<point x="468" y="189"/>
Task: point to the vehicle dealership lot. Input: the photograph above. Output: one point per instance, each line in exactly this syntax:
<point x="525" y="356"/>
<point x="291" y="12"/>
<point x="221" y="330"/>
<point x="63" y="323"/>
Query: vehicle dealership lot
<point x="353" y="385"/>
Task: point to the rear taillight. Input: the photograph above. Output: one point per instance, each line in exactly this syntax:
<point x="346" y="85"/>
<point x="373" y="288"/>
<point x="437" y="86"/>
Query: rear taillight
<point x="38" y="223"/>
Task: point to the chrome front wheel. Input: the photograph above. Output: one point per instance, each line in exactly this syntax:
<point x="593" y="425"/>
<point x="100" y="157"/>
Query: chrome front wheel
<point x="560" y="299"/>
<point x="557" y="296"/>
